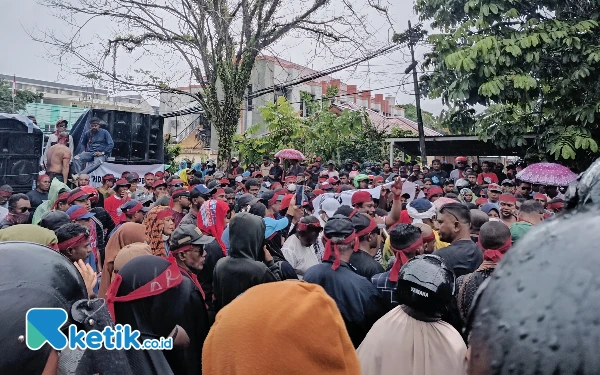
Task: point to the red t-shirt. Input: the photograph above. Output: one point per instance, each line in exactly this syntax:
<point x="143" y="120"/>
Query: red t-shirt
<point x="111" y="205"/>
<point x="492" y="176"/>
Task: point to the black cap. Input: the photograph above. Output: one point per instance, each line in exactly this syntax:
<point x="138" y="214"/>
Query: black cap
<point x="132" y="204"/>
<point x="54" y="219"/>
<point x="276" y="160"/>
<point x="361" y="221"/>
<point x="339" y="226"/>
<point x="247" y="200"/>
<point x="265" y="196"/>
<point x="188" y="234"/>
<point x="344" y="210"/>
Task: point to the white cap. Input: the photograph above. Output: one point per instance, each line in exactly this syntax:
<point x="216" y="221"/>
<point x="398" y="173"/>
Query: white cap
<point x="330" y="205"/>
<point x="239" y="179"/>
<point x="291" y="187"/>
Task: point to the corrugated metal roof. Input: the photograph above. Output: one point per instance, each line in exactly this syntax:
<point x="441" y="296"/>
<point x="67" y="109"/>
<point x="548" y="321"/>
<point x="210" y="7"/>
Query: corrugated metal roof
<point x="386" y="124"/>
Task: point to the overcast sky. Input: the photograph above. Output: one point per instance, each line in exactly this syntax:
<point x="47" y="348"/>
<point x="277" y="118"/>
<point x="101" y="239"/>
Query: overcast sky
<point x="25" y="57"/>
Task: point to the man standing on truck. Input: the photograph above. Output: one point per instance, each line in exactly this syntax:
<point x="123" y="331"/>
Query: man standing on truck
<point x="98" y="144"/>
<point x="58" y="160"/>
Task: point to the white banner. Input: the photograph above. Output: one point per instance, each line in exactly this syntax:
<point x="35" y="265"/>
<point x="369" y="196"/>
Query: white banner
<point x="118" y="169"/>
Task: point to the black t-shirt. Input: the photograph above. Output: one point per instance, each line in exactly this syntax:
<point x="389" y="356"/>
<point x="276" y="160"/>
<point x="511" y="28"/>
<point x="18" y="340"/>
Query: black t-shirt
<point x="296" y="170"/>
<point x="438" y="177"/>
<point x="462" y="257"/>
<point x="365" y="264"/>
<point x="36" y="198"/>
<point x="277" y="172"/>
<point x="236" y="171"/>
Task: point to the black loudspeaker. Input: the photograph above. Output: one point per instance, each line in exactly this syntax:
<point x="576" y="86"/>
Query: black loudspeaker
<point x="20" y="153"/>
<point x="138" y="137"/>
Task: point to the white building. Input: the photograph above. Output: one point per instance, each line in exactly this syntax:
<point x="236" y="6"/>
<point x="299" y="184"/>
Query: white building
<point x="270" y="72"/>
<point x="80" y="96"/>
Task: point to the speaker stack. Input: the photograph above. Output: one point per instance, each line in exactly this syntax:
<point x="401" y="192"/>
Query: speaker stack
<point x="138" y="137"/>
<point x="20" y="154"/>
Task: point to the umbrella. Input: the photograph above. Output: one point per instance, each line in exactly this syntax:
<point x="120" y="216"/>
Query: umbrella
<point x="547" y="174"/>
<point x="290" y="154"/>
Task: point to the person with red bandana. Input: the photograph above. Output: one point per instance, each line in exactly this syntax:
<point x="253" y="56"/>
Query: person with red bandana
<point x="495" y="240"/>
<point x="58" y="137"/>
<point x="355" y="296"/>
<point x="508" y="207"/>
<point x="459" y="172"/>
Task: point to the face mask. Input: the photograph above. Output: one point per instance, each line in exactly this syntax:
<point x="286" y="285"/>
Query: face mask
<point x="21" y="218"/>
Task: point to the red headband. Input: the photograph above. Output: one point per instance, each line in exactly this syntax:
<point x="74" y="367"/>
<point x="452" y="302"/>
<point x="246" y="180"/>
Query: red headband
<point x="495" y="255"/>
<point x="401" y="258"/>
<point x="306" y="226"/>
<point x="135" y="208"/>
<point x="61" y="198"/>
<point x="367" y="230"/>
<point x="74" y="242"/>
<point x="75" y="215"/>
<point x="75" y="196"/>
<point x="430" y="238"/>
<point x="5" y="193"/>
<point x="164" y="214"/>
<point x="336" y="249"/>
<point x="42" y="176"/>
<point x="170" y="278"/>
<point x="218" y="192"/>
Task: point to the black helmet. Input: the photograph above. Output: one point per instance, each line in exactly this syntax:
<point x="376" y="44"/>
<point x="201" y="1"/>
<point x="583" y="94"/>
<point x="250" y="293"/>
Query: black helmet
<point x="538" y="313"/>
<point x="32" y="275"/>
<point x="54" y="219"/>
<point x="426" y="284"/>
<point x="348" y="161"/>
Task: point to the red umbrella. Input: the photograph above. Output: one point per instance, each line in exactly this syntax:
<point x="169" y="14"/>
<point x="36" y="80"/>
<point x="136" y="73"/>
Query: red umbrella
<point x="551" y="174"/>
<point x="290" y="154"/>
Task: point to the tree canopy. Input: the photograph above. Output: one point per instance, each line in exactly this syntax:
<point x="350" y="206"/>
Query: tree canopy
<point x="325" y="133"/>
<point x="534" y="66"/>
<point x="215" y="41"/>
<point x="22" y="98"/>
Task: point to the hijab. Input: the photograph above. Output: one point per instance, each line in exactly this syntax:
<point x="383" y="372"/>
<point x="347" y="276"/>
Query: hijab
<point x="55" y="187"/>
<point x="126" y="234"/>
<point x="463" y="192"/>
<point x="490" y="206"/>
<point x="211" y="220"/>
<point x="322" y="345"/>
<point x="30" y="233"/>
<point x="130" y="252"/>
<point x="155" y="224"/>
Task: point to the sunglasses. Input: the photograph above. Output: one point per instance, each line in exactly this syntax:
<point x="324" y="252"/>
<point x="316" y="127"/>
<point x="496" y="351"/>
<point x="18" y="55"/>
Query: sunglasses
<point x="176" y="185"/>
<point x="25" y="209"/>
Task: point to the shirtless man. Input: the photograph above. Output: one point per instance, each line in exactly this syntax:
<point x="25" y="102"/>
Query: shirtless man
<point x="59" y="157"/>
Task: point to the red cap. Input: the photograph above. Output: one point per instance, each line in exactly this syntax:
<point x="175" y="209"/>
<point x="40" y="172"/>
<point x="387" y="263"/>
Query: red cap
<point x="434" y="190"/>
<point x="507" y="198"/>
<point x="290" y="179"/>
<point x="122" y="182"/>
<point x="157" y="183"/>
<point x="361" y="196"/>
<point x="461" y="158"/>
<point x="378" y="178"/>
<point x="61" y="198"/>
<point x="481" y="201"/>
<point x="159" y="174"/>
<point x="108" y="177"/>
<point x="540" y="196"/>
<point x="149" y="174"/>
<point x="333" y="180"/>
<point x="285" y="202"/>
<point x="224" y="181"/>
<point x="75" y="194"/>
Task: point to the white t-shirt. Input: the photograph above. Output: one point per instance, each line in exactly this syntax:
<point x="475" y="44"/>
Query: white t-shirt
<point x="301" y="258"/>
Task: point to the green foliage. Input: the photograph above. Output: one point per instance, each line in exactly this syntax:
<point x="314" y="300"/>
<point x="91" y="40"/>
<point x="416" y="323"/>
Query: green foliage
<point x="533" y="64"/>
<point x="325" y="133"/>
<point x="22" y="98"/>
<point x="171" y="151"/>
<point x="429" y="119"/>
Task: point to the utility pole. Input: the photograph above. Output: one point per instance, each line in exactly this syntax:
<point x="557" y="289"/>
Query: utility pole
<point x="412" y="41"/>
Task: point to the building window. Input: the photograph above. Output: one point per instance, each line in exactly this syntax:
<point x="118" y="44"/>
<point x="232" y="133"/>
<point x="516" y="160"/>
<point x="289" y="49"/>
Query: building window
<point x="306" y="109"/>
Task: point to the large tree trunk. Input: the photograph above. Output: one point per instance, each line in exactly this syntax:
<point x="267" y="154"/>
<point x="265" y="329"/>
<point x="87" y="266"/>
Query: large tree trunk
<point x="226" y="127"/>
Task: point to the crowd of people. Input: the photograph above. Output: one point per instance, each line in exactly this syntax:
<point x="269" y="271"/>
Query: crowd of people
<point x="387" y="281"/>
